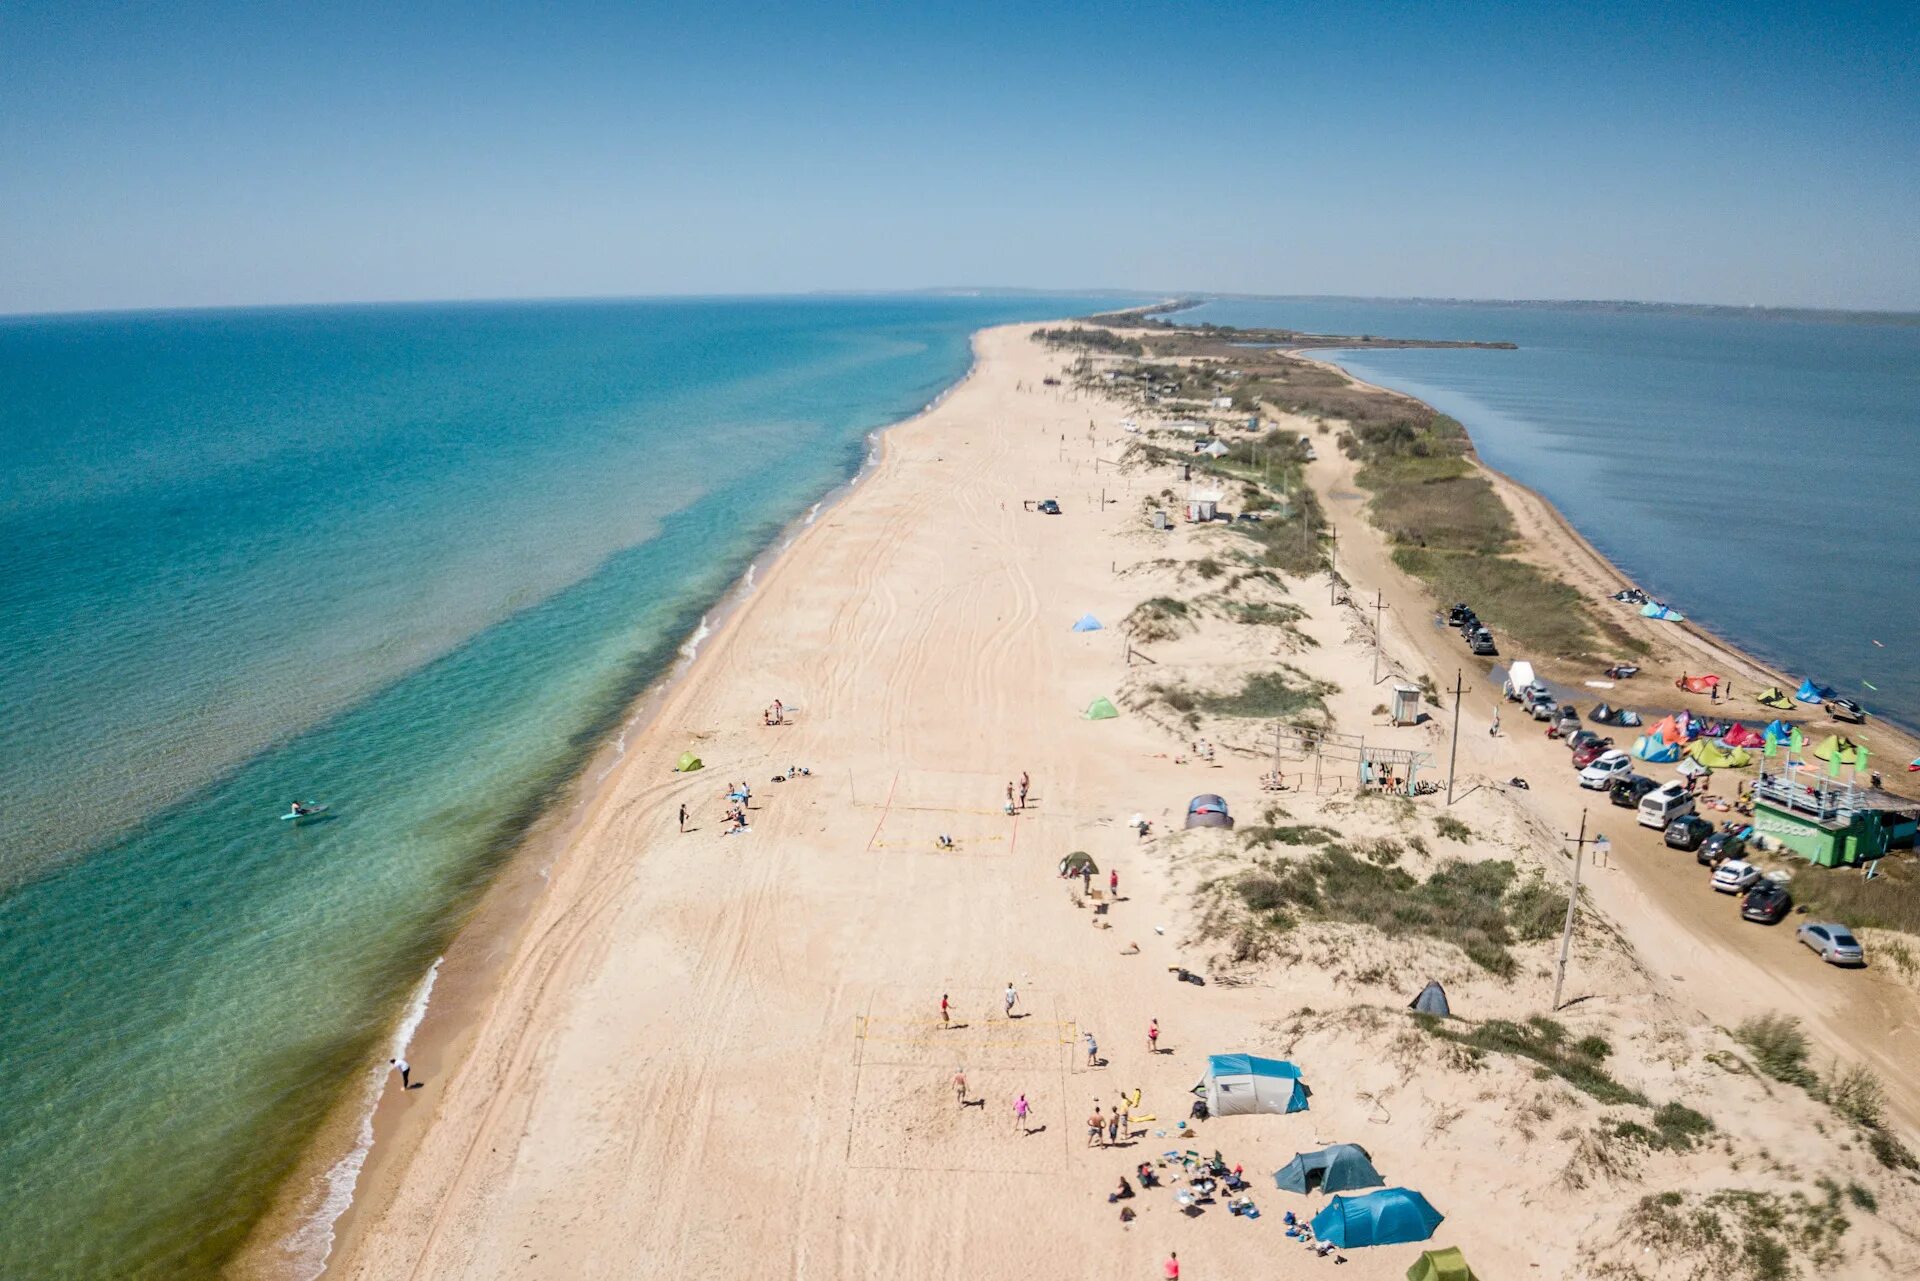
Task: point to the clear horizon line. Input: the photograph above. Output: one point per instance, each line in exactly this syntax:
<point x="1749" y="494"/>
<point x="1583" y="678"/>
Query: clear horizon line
<point x="1090" y="291"/>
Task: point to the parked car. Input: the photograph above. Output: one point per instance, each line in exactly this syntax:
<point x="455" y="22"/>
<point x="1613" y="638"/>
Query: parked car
<point x="1626" y="792"/>
<point x="1664" y="804"/>
<point x="1835" y="943"/>
<point x="1720" y="847"/>
<point x="1734" y="875"/>
<point x="1481" y="642"/>
<point x="1587" y="755"/>
<point x="1687" y="831"/>
<point x="1250" y="518"/>
<point x="1768" y="902"/>
<point x="1049" y="507"/>
<point x="1845" y="709"/>
<point x="1543" y="709"/>
<point x="1534" y="693"/>
<point x="1577" y="741"/>
<point x="1607" y="767"/>
<point x="1458" y="614"/>
<point x="1568" y="712"/>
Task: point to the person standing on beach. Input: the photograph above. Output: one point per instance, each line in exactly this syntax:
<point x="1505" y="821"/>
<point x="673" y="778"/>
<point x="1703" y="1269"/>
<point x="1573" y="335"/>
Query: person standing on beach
<point x="1093" y="1051"/>
<point x="1153" y="1036"/>
<point x="1020" y="1112"/>
<point x="945" y="1019"/>
<point x="1096" y="1127"/>
<point x="1113" y="883"/>
<point x="1009" y="798"/>
<point x="1113" y="1125"/>
<point x="960" y="1086"/>
<point x="1023" y="789"/>
<point x="405" y="1070"/>
<point x="683" y="817"/>
<point x="1011" y="997"/>
<point x="1172" y="1268"/>
<point x="1493" y="730"/>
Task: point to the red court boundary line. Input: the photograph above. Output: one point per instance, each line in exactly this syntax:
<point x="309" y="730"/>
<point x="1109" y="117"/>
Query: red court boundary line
<point x="883" y="817"/>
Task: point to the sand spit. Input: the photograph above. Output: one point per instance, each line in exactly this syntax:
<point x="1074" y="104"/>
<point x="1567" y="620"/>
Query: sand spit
<point x="724" y="1055"/>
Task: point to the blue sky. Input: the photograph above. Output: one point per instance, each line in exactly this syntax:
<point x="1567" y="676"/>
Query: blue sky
<point x="184" y="155"/>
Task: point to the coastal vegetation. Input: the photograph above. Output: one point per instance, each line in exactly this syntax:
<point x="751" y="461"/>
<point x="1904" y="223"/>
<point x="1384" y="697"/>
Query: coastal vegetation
<point x="1780" y="1050"/>
<point x="1482" y="908"/>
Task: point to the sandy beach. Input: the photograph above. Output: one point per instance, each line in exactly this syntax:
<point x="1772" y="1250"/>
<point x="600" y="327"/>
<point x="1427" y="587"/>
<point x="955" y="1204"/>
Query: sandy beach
<point x="725" y="1055"/>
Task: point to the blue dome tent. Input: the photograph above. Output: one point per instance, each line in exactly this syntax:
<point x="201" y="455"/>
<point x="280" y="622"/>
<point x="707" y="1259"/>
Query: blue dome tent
<point x="1388" y="1217"/>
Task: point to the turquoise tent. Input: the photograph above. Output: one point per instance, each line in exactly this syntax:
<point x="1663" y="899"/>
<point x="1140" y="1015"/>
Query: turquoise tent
<point x="1340" y="1168"/>
<point x="1087" y="623"/>
<point x="1241" y="1083"/>
<point x="1388" y="1217"/>
<point x="1651" y="747"/>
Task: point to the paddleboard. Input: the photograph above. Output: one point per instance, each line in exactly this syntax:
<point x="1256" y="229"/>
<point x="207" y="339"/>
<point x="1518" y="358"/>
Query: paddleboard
<point x="315" y="812"/>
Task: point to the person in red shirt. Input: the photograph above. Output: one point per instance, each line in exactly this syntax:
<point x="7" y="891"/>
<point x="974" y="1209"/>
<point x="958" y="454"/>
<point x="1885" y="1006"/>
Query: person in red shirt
<point x="1173" y="1267"/>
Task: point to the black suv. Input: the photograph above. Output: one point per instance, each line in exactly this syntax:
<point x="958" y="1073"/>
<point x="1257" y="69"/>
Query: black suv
<point x="1720" y="847"/>
<point x="1767" y="902"/>
<point x="1687" y="831"/>
<point x="1626" y="792"/>
<point x="1458" y="614"/>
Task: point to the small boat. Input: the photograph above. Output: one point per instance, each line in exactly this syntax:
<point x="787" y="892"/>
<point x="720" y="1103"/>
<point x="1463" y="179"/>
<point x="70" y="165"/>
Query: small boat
<point x="302" y="815"/>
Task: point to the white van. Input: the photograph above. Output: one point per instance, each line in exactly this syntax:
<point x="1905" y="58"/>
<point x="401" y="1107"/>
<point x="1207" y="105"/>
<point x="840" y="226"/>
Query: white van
<point x="1664" y="804"/>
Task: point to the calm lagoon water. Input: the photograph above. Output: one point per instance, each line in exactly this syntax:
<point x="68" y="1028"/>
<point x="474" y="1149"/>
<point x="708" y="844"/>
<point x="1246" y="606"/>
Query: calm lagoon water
<point x="1757" y="473"/>
<point x="412" y="562"/>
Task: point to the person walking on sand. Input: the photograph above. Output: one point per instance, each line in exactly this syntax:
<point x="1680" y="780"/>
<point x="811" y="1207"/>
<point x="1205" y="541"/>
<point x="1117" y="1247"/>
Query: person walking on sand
<point x="1493" y="730"/>
<point x="1009" y="798"/>
<point x="1093" y="1051"/>
<point x="1113" y="1126"/>
<point x="1096" y="1128"/>
<point x="945" y="1019"/>
<point x="683" y="818"/>
<point x="1023" y="789"/>
<point x="1020" y="1112"/>
<point x="960" y="1086"/>
<point x="1172" y="1267"/>
<point x="1113" y="882"/>
<point x="1153" y="1036"/>
<point x="1011" y="997"/>
<point x="405" y="1070"/>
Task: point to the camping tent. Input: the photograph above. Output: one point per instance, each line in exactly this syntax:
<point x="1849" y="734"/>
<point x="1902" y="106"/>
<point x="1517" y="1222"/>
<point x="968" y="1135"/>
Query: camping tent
<point x="1649" y="748"/>
<point x="1078" y="862"/>
<point x="1100" y="709"/>
<point x="1215" y="449"/>
<point x="1743" y="736"/>
<point x="1812" y="693"/>
<point x="1340" y="1168"/>
<point x="1240" y="1083"/>
<point x="1432" y="1000"/>
<point x="1716" y="755"/>
<point x="688" y="763"/>
<point x="1087" y="623"/>
<point x="1441" y="1265"/>
<point x="1773" y="696"/>
<point x="1387" y="1217"/>
<point x="1654" y="609"/>
<point x="1208" y="811"/>
<point x="1698" y="684"/>
<point x="1833" y="746"/>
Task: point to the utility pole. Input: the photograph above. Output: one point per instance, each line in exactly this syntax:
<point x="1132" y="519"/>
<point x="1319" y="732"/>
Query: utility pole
<point x="1454" y="755"/>
<point x="1377" y="607"/>
<point x="1580" y="844"/>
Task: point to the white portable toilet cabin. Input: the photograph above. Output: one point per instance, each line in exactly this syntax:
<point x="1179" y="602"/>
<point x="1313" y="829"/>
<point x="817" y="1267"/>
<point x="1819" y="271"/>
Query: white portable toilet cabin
<point x="1406" y="704"/>
<point x="1203" y="505"/>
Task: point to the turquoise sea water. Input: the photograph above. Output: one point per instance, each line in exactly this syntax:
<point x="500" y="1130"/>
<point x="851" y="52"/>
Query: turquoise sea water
<point x="413" y="562"/>
<point x="1758" y="473"/>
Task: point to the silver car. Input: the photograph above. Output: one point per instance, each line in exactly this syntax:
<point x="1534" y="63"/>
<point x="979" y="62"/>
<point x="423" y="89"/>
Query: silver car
<point x="1835" y="943"/>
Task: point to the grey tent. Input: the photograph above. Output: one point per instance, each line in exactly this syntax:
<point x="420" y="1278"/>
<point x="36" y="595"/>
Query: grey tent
<point x="1432" y="1000"/>
<point x="1340" y="1168"/>
<point x="1208" y="811"/>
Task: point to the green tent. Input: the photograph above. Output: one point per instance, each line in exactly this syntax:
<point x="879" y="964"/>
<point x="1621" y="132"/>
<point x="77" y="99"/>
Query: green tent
<point x="1441" y="1265"/>
<point x="688" y="763"/>
<point x="1099" y="710"/>
<point x="1078" y="862"/>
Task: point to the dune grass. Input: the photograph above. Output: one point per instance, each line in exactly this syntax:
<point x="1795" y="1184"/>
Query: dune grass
<point x="1538" y="611"/>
